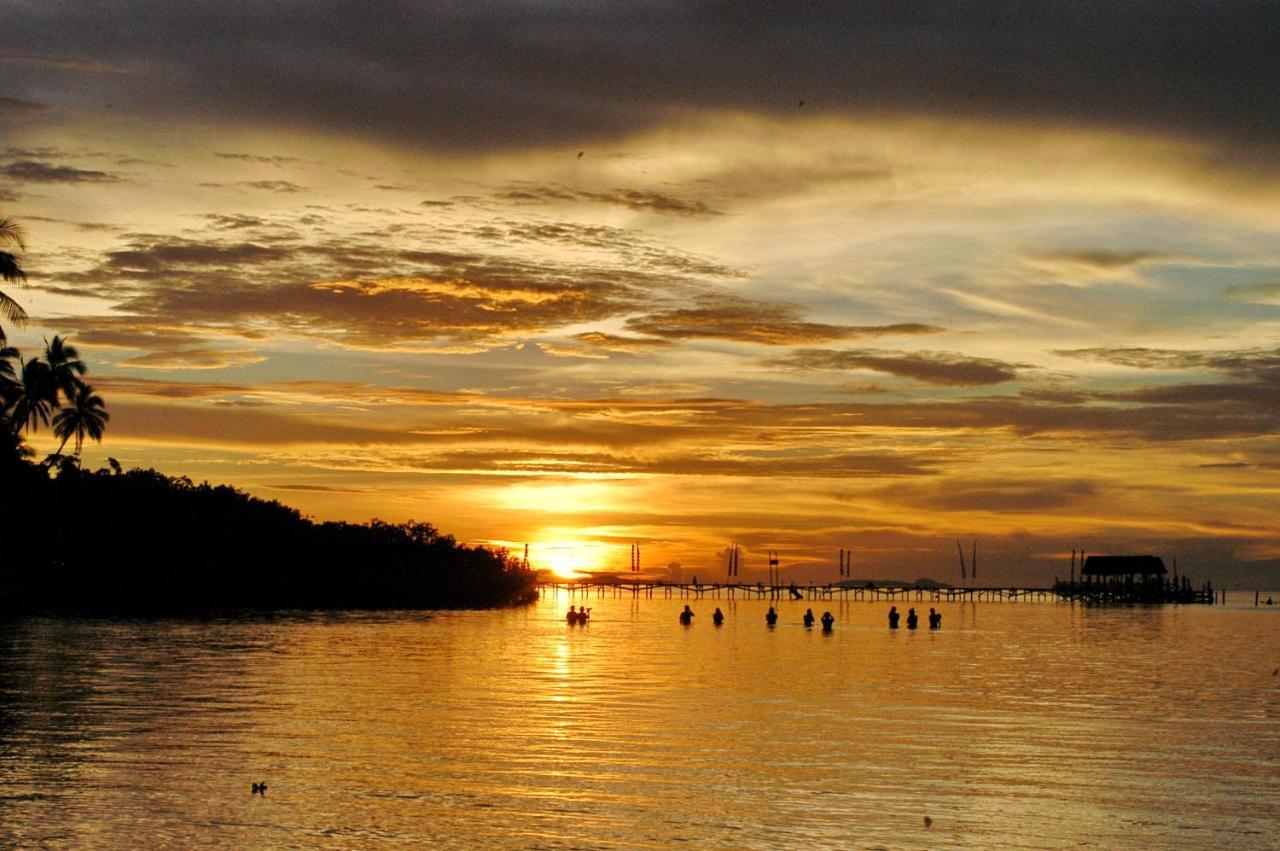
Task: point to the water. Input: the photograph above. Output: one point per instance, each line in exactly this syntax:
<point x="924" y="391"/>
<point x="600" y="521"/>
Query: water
<point x="1019" y="725"/>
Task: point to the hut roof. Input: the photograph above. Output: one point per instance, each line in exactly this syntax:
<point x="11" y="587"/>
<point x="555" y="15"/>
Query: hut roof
<point x="1123" y="565"/>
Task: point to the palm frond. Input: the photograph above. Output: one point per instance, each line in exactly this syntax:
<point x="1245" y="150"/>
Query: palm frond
<point x="12" y="311"/>
<point x="11" y="232"/>
<point x="9" y="268"/>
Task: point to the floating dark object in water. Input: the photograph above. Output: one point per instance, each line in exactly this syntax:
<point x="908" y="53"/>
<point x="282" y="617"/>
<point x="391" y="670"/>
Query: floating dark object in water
<point x="928" y="822"/>
<point x="259" y="788"/>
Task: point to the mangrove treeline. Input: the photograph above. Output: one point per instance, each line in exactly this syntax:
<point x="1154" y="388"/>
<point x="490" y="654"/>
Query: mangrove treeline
<point x="139" y="542"/>
<point x="74" y="541"/>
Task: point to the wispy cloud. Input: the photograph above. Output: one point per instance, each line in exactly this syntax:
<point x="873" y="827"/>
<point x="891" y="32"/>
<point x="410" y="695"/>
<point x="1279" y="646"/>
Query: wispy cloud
<point x="943" y="368"/>
<point x="284" y="186"/>
<point x="640" y="200"/>
<point x="726" y="317"/>
<point x="34" y="171"/>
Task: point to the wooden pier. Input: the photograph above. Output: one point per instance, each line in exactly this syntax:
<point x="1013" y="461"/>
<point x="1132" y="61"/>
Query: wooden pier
<point x="1061" y="592"/>
<point x="760" y="591"/>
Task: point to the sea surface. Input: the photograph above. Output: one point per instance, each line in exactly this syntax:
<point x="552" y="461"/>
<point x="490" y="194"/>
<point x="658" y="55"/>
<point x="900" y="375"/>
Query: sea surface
<point x="1017" y="725"/>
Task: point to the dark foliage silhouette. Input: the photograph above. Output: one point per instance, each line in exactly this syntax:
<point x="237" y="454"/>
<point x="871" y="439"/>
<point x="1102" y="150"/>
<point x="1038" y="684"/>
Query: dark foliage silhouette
<point x="85" y="415"/>
<point x="140" y="542"/>
<point x="10" y="270"/>
<point x="66" y="370"/>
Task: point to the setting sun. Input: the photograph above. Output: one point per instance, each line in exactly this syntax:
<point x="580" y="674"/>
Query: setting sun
<point x="571" y="559"/>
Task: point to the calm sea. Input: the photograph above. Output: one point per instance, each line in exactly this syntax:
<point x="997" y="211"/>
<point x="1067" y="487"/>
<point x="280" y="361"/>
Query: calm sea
<point x="1018" y="725"/>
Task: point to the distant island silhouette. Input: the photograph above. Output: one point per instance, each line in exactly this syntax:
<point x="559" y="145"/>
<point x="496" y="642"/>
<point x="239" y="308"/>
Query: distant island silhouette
<point x="140" y="542"/>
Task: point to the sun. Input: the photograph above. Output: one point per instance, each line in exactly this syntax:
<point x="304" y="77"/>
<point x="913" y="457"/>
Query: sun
<point x="570" y="559"/>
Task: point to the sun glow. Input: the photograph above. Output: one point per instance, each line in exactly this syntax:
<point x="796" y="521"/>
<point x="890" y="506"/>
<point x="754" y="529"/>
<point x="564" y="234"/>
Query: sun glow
<point x="571" y="559"/>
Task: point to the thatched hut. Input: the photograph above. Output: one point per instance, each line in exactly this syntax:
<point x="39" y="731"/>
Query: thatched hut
<point x="1128" y="569"/>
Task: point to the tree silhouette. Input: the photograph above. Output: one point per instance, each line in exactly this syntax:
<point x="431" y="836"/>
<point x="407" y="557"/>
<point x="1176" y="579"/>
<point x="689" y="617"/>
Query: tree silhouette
<point x="32" y="390"/>
<point x="10" y="270"/>
<point x="65" y="367"/>
<point x="84" y="416"/>
<point x="36" y="396"/>
<point x="8" y="376"/>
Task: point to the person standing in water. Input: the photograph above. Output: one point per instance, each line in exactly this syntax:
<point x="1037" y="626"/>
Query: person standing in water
<point x="893" y="617"/>
<point x="718" y="617"/>
<point x="935" y="620"/>
<point x="771" y="617"/>
<point x="828" y="621"/>
<point x="686" y="617"/>
<point x="912" y="620"/>
<point x="808" y="618"/>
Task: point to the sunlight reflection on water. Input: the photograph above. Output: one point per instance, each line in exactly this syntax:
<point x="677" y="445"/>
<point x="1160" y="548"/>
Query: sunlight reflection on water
<point x="1017" y="725"/>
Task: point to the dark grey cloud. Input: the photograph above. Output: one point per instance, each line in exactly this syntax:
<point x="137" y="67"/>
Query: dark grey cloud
<point x="258" y="158"/>
<point x="633" y="199"/>
<point x="265" y="185"/>
<point x="34" y="171"/>
<point x="722" y="317"/>
<point x="507" y="73"/>
<point x="943" y="368"/>
<point x="1103" y="258"/>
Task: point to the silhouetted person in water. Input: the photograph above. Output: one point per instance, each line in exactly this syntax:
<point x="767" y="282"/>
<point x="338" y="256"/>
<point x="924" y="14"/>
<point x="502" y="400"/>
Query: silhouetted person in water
<point x="686" y="617"/>
<point x="935" y="620"/>
<point x="718" y="617"/>
<point x="808" y="618"/>
<point x="771" y="617"/>
<point x="912" y="620"/>
<point x="572" y="616"/>
<point x="893" y="617"/>
<point x="828" y="621"/>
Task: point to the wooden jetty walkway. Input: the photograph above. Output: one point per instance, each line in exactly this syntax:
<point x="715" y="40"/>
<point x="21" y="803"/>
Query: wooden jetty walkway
<point x="1062" y="592"/>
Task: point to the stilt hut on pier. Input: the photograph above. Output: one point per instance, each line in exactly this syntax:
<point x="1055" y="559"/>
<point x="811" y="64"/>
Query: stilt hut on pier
<point x="1134" y="578"/>
<point x="1125" y="569"/>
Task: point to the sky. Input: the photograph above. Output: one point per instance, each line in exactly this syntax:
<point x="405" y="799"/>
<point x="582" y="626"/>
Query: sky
<point x="878" y="276"/>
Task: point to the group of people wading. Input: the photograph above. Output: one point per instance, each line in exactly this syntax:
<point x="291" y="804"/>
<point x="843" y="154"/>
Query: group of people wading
<point x="913" y="621"/>
<point x="771" y="618"/>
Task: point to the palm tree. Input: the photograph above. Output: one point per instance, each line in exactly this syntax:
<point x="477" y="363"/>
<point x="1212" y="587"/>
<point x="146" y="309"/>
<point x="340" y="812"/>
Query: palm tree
<point x="35" y="397"/>
<point x="12" y="447"/>
<point x="65" y="367"/>
<point x="8" y="377"/>
<point x="11" y="234"/>
<point x="85" y="416"/>
<point x="10" y="441"/>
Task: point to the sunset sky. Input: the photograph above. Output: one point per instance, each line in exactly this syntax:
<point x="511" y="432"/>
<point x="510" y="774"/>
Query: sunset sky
<point x="865" y="275"/>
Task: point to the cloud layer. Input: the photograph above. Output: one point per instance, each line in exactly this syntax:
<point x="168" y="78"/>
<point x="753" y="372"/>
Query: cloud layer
<point x="484" y="75"/>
